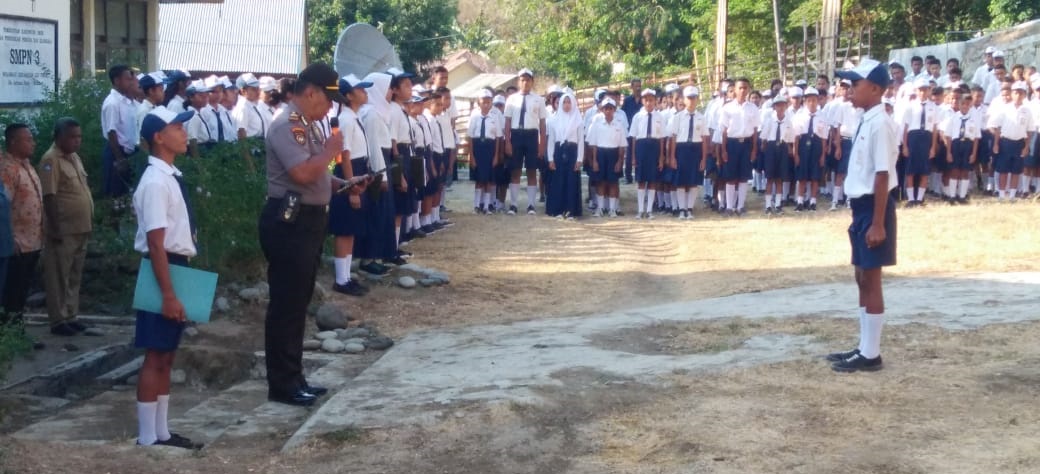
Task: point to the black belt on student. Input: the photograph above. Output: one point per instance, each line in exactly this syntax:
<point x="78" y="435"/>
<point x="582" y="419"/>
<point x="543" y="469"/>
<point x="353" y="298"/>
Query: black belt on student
<point x="739" y="140"/>
<point x="304" y="208"/>
<point x="608" y="148"/>
<point x="641" y="140"/>
<point x="172" y="258"/>
<point x="568" y="143"/>
<point x="844" y="138"/>
<point x="482" y="140"/>
<point x="525" y="131"/>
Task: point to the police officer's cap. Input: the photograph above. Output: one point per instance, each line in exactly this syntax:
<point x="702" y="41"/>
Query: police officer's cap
<point x="323" y="77"/>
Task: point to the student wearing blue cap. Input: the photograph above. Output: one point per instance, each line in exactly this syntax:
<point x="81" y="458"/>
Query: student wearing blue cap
<point x="177" y="82"/>
<point x="872" y="176"/>
<point x="121" y="131"/>
<point x="152" y="87"/>
<point x="166" y="236"/>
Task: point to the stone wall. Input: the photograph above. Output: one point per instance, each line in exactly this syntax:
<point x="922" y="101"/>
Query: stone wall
<point x="1021" y="45"/>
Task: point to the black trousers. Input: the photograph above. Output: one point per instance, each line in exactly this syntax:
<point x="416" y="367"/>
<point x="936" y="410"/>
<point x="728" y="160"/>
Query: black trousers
<point x="629" y="161"/>
<point x="21" y="271"/>
<point x="293" y="252"/>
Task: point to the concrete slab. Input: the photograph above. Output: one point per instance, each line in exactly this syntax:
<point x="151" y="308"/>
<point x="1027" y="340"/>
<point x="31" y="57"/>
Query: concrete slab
<point x="429" y="371"/>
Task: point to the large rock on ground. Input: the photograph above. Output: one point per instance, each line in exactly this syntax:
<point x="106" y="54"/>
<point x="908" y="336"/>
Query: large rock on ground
<point x="331" y="317"/>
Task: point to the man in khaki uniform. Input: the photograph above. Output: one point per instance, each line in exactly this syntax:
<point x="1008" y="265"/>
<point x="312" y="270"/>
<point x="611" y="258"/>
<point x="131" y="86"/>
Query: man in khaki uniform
<point x="68" y="214"/>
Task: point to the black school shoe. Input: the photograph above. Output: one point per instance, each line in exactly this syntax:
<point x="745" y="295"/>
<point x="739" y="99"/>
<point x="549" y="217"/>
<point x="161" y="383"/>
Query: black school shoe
<point x="840" y="356"/>
<point x="858" y="363"/>
<point x="301" y="398"/>
<point x="315" y="390"/>
<point x="179" y="441"/>
<point x="64" y="329"/>
<point x="352" y="288"/>
<point x="374" y="268"/>
<point x="396" y="261"/>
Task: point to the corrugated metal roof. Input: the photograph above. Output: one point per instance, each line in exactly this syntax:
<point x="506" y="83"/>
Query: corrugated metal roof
<point x="259" y="36"/>
<point x="471" y="88"/>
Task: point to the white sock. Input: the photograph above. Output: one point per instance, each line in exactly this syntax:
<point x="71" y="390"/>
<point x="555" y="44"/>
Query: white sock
<point x="786" y="189"/>
<point x="731" y="196"/>
<point x="920" y="193"/>
<point x="488" y="199"/>
<point x="837" y="195"/>
<point x="777" y="200"/>
<point x="146" y="423"/>
<point x="962" y="188"/>
<point x="640" y="199"/>
<point x="599" y="203"/>
<point x="989" y="183"/>
<point x="162" y="411"/>
<point x="416" y="223"/>
<point x="514" y="191"/>
<point x="721" y="192"/>
<point x="674" y="196"/>
<point x="799" y="199"/>
<point x="427" y="220"/>
<point x="477" y="194"/>
<point x="613" y="204"/>
<point x="708" y="188"/>
<point x="1013" y="193"/>
<point x="812" y="200"/>
<point x="862" y="327"/>
<point x="436" y="213"/>
<point x="691" y="198"/>
<point x="872" y="345"/>
<point x="397" y="236"/>
<point x="650" y="193"/>
<point x="532" y="195"/>
<point x="342" y="269"/>
<point x="742" y="190"/>
<point x="680" y="198"/>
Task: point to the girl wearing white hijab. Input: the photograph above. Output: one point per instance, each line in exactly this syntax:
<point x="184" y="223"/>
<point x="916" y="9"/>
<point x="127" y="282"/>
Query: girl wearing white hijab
<point x="379" y="241"/>
<point x="565" y="154"/>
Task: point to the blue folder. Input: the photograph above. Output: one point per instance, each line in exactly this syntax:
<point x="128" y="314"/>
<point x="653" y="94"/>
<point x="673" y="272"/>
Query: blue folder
<point x="194" y="288"/>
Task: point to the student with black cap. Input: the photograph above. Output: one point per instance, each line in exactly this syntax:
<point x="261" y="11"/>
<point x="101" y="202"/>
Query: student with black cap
<point x="292" y="226"/>
<point x="872" y="175"/>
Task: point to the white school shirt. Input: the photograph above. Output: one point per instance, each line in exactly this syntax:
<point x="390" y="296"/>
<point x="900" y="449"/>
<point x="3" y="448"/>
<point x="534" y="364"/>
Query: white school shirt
<point x="992" y="90"/>
<point x="772" y="123"/>
<point x="845" y="117"/>
<point x="492" y="129"/>
<point x="576" y="136"/>
<point x="739" y="120"/>
<point x="253" y="117"/>
<point x="981" y="114"/>
<point x="500" y="119"/>
<point x="177" y="105"/>
<point x="607" y="135"/>
<point x="354" y="139"/>
<point x="658" y="128"/>
<point x="982" y="75"/>
<point x="399" y="127"/>
<point x="421" y="134"/>
<point x="158" y="204"/>
<point x="197" y="127"/>
<point x="119" y="113"/>
<point x="951" y="127"/>
<point x="590" y="114"/>
<point x="211" y="115"/>
<point x="801" y="121"/>
<point x="378" y="134"/>
<point x="535" y="110"/>
<point x="143" y="108"/>
<point x="679" y="128"/>
<point x="1014" y="122"/>
<point x="450" y="138"/>
<point x="874" y="150"/>
<point x="436" y="141"/>
<point x="912" y="116"/>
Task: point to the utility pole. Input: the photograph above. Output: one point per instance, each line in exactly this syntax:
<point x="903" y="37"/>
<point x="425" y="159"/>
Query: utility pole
<point x="720" y="41"/>
<point x="779" y="47"/>
<point x="830" y="22"/>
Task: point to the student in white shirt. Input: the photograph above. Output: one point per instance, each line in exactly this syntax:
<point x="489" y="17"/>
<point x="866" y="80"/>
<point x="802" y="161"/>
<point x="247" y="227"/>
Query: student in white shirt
<point x="120" y="129"/>
<point x="872" y="235"/>
<point x="249" y="113"/>
<point x="739" y="122"/>
<point x="689" y="135"/>
<point x="380" y="241"/>
<point x="809" y="151"/>
<point x="1012" y="127"/>
<point x="525" y="140"/>
<point x="566" y="138"/>
<point x="607" y="139"/>
<point x="485" y="150"/>
<point x="843" y="119"/>
<point x="961" y="134"/>
<point x="401" y="152"/>
<point x="216" y="116"/>
<point x="152" y="87"/>
<point x="646" y="136"/>
<point x="175" y="95"/>
<point x="434" y="170"/>
<point x="166" y="236"/>
<point x="778" y="146"/>
<point x="920" y="141"/>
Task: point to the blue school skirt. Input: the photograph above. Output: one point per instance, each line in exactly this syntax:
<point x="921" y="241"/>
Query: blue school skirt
<point x="1010" y="160"/>
<point x="648" y="152"/>
<point x="404" y="203"/>
<point x="564" y="189"/>
<point x="809" y="168"/>
<point x="688" y="164"/>
<point x="961" y="150"/>
<point x="344" y="220"/>
<point x="738" y="164"/>
<point x="606" y="160"/>
<point x="484" y="156"/>
<point x="777" y="160"/>
<point x="920" y="144"/>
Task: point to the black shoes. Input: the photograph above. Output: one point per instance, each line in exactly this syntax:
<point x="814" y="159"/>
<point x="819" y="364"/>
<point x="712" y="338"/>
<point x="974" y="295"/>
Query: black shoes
<point x="416" y="234"/>
<point x="315" y="390"/>
<point x="858" y="363"/>
<point x="301" y="398"/>
<point x="374" y="268"/>
<point x="840" y="356"/>
<point x="179" y="441"/>
<point x="64" y="329"/>
<point x="352" y="288"/>
<point x="396" y="261"/>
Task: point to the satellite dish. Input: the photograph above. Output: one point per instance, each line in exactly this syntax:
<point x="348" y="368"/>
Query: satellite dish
<point x="362" y="50"/>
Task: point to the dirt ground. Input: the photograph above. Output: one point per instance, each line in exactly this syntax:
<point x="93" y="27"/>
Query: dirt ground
<point x="948" y="401"/>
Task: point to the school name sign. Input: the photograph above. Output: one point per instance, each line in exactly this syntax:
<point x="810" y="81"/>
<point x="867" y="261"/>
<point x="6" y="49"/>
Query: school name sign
<point x="28" y="59"/>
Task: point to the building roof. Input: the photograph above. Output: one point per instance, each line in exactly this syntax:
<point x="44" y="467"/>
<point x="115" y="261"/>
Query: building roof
<point x="460" y="57"/>
<point x="471" y="88"/>
<point x="259" y="36"/>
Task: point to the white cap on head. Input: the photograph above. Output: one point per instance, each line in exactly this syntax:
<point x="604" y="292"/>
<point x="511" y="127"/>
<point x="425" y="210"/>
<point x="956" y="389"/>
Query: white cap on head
<point x="691" y="91"/>
<point x="554" y="89"/>
<point x="668" y="89"/>
<point x="801" y="83"/>
<point x="767" y="93"/>
<point x="499" y="100"/>
<point x="796" y="91"/>
<point x="888" y="101"/>
<point x="812" y="91"/>
<point x="525" y="72"/>
<point x="779" y="99"/>
<point x="1035" y="81"/>
<point x="989" y="50"/>
<point x="598" y="95"/>
<point x="608" y="101"/>
<point x="226" y="81"/>
<point x="647" y="92"/>
<point x="922" y="83"/>
<point x="419" y="89"/>
<point x="998" y="54"/>
<point x="268" y="83"/>
<point x="1020" y="86"/>
<point x="213" y="81"/>
<point x="486" y="94"/>
<point x="198" y="85"/>
<point x="247" y="80"/>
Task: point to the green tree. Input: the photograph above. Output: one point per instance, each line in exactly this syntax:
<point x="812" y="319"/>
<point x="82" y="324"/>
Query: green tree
<point x="1011" y="12"/>
<point x="418" y="29"/>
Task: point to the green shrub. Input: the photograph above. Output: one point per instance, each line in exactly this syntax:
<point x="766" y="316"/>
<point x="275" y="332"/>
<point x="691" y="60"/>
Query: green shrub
<point x="13" y="342"/>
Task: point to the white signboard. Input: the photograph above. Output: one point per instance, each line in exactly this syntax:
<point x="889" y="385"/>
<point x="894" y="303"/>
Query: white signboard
<point x="28" y="59"/>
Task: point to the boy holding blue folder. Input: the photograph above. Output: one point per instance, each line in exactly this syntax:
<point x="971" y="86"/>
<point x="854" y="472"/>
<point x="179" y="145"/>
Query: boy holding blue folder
<point x="166" y="236"/>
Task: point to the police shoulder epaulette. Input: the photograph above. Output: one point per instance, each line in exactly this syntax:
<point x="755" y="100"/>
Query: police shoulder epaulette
<point x="294" y="117"/>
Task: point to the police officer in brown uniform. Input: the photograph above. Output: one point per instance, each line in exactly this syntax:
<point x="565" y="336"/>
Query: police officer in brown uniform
<point x="68" y="211"/>
<point x="292" y="226"/>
